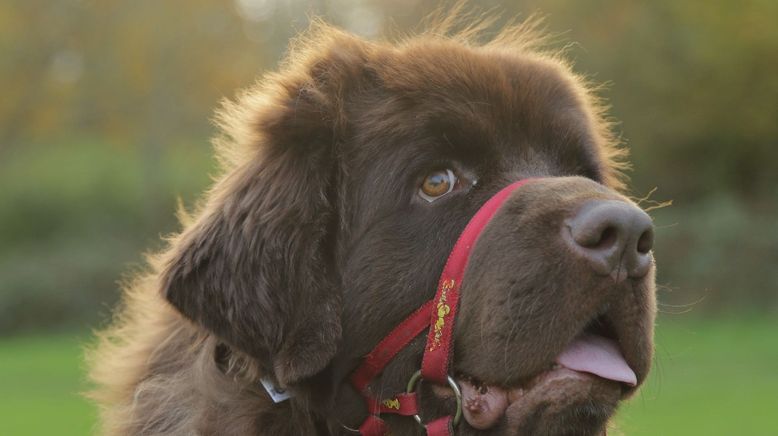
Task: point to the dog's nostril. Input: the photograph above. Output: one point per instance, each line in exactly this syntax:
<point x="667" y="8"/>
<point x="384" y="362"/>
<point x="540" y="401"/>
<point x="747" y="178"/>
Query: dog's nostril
<point x="607" y="238"/>
<point x="646" y="241"/>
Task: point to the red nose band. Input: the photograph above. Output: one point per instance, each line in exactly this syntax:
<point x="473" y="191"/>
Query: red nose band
<point x="439" y="314"/>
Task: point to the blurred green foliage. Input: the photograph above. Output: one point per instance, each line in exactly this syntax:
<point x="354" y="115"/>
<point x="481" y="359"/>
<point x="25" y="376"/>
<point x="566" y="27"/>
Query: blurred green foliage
<point x="104" y="122"/>
<point x="78" y="216"/>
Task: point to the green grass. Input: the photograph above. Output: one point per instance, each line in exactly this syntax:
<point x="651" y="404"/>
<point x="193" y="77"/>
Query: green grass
<point x="40" y="382"/>
<point x="712" y="377"/>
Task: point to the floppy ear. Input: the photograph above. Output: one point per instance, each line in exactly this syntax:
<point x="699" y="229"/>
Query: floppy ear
<point x="256" y="267"/>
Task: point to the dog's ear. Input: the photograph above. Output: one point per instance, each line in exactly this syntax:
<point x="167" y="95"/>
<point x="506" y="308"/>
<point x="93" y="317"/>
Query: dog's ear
<point x="256" y="266"/>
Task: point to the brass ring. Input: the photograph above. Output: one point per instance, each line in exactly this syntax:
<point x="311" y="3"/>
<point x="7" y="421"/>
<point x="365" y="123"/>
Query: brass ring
<point x="413" y="382"/>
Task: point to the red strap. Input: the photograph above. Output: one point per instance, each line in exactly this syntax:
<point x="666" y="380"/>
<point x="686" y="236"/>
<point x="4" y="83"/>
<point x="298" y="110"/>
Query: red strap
<point x="437" y="353"/>
<point x="384" y="352"/>
<point x="440" y="427"/>
<point x="376" y="361"/>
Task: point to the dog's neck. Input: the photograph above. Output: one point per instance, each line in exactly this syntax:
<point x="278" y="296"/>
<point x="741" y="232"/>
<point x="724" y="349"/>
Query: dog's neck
<point x="296" y="415"/>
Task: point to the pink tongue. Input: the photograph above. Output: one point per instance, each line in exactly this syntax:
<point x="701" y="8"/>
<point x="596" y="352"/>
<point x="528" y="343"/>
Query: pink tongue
<point x="599" y="356"/>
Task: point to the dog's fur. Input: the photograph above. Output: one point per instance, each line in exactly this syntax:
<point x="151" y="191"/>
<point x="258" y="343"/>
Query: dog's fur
<point x="312" y="245"/>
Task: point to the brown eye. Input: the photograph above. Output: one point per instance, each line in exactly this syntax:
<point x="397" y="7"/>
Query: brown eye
<point x="437" y="184"/>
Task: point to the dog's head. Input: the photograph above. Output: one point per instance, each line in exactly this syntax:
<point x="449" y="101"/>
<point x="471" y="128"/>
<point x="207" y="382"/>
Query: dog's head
<point x="351" y="174"/>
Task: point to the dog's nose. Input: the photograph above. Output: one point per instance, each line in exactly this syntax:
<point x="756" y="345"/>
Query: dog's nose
<point x="614" y="237"/>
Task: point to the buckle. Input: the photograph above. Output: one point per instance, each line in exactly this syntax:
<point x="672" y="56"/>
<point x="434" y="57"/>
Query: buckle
<point x="413" y="384"/>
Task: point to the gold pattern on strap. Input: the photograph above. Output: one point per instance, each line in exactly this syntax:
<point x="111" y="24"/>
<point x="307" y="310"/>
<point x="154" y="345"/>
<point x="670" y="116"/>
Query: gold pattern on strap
<point x="443" y="309"/>
<point x="391" y="403"/>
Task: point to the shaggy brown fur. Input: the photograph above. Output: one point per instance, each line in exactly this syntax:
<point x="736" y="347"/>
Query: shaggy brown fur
<point x="313" y="244"/>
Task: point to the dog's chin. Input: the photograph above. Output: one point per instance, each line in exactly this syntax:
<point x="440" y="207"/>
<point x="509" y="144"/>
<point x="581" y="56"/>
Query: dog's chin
<point x="561" y="402"/>
<point x="558" y="401"/>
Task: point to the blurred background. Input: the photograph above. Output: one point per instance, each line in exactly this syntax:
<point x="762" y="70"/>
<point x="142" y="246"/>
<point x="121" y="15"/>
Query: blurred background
<point x="104" y="123"/>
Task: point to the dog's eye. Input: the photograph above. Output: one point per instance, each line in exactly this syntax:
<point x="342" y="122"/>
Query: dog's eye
<point x="437" y="184"/>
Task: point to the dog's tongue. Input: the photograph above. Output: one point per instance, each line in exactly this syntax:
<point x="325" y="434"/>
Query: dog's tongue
<point x="599" y="356"/>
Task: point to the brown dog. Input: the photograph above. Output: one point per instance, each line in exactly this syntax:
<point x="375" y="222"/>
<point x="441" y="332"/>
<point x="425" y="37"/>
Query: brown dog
<point x="348" y="177"/>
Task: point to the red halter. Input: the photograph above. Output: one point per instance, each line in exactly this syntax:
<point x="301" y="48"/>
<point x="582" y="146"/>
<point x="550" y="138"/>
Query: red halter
<point x="439" y="314"/>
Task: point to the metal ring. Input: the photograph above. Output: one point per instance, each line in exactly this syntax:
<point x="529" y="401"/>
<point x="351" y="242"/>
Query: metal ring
<point x="412" y="383"/>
